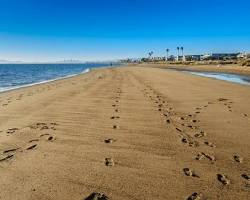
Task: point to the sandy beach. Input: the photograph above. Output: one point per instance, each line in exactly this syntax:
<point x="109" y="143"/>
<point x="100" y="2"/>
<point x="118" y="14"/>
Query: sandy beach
<point x="131" y="133"/>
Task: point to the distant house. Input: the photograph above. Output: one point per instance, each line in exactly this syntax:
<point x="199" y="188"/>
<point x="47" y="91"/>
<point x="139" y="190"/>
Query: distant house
<point x="180" y="58"/>
<point x="193" y="57"/>
<point x="159" y="58"/>
<point x="171" y="58"/>
<point x="243" y="56"/>
<point x="220" y="56"/>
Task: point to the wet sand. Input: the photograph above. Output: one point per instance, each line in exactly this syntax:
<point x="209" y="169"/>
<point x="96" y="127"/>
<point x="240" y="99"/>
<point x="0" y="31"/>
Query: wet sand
<point x="130" y="133"/>
<point x="234" y="68"/>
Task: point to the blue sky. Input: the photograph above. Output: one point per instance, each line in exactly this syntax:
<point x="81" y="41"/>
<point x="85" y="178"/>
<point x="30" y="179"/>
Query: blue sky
<point x="50" y="30"/>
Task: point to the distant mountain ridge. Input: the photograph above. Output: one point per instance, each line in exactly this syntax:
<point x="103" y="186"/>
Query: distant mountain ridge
<point x="2" y="61"/>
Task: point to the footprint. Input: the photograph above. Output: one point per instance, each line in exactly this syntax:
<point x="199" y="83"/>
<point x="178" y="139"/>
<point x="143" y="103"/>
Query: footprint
<point x="209" y="144"/>
<point x="6" y="157"/>
<point x="45" y="127"/>
<point x="179" y="130"/>
<point x="115" y="117"/>
<point x="190" y="143"/>
<point x="238" y="159"/>
<point x="202" y="156"/>
<point x="200" y="135"/>
<point x="109" y="141"/>
<point x="11" y="150"/>
<point x="97" y="196"/>
<point x="109" y="162"/>
<point x="45" y="134"/>
<point x="195" y="196"/>
<point x="31" y="147"/>
<point x="189" y="172"/>
<point x="115" y="127"/>
<point x="192" y="127"/>
<point x="193" y="143"/>
<point x="34" y="140"/>
<point x="12" y="130"/>
<point x="223" y="179"/>
<point x="184" y="140"/>
<point x="222" y="99"/>
<point x="245" y="176"/>
<point x="51" y="138"/>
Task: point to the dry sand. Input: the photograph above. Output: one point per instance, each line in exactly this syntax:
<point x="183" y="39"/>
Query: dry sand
<point x="130" y="133"/>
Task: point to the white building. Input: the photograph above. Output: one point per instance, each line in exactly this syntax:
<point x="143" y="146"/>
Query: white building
<point x="243" y="56"/>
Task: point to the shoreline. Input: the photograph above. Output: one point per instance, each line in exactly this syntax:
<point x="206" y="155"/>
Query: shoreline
<point x="87" y="70"/>
<point x="57" y="139"/>
<point x="44" y="82"/>
<point x="11" y="88"/>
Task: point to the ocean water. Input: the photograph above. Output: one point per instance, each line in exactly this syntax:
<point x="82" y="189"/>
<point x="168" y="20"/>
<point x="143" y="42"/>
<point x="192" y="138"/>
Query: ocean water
<point x="13" y="76"/>
<point x="229" y="77"/>
<point x="235" y="78"/>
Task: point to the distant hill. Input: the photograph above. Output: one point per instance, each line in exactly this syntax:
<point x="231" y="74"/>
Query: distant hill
<point x="7" y="61"/>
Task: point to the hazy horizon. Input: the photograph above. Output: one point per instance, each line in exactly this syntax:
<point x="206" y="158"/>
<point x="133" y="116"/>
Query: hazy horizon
<point x="52" y="31"/>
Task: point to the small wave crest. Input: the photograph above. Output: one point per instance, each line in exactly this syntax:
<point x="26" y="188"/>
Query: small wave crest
<point x="85" y="71"/>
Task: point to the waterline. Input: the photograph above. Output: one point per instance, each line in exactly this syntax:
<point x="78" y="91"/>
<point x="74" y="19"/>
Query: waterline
<point x="235" y="78"/>
<point x="5" y="89"/>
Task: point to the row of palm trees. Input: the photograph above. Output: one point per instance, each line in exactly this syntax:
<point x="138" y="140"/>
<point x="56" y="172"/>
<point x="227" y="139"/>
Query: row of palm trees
<point x="168" y="50"/>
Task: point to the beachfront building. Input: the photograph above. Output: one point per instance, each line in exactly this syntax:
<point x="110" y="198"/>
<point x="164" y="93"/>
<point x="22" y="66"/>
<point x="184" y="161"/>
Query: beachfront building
<point x="153" y="59"/>
<point x="220" y="56"/>
<point x="159" y="59"/>
<point x="180" y="58"/>
<point x="193" y="57"/>
<point x="243" y="56"/>
<point x="171" y="58"/>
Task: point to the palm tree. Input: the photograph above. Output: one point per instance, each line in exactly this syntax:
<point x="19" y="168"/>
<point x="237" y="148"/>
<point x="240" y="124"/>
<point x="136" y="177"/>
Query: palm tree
<point x="167" y="50"/>
<point x="150" y="54"/>
<point x="182" y="49"/>
<point x="178" y="49"/>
